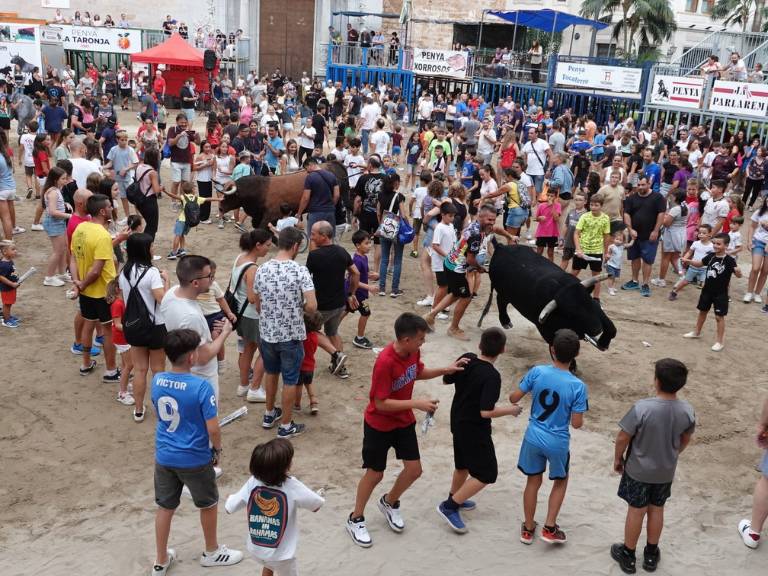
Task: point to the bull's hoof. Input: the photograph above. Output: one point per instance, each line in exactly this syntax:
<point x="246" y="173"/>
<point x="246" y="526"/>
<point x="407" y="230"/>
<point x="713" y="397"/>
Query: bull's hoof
<point x="507" y="325"/>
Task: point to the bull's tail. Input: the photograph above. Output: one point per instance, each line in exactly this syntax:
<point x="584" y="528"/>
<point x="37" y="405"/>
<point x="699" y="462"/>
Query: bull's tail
<point x="486" y="309"/>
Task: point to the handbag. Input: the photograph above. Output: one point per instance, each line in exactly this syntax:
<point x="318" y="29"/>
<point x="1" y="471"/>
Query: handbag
<point x="133" y="192"/>
<point x="405" y="232"/>
<point x="390" y="222"/>
<point x="229" y="296"/>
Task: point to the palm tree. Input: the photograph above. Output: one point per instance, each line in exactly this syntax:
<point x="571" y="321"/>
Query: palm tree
<point x="734" y="12"/>
<point x="642" y="22"/>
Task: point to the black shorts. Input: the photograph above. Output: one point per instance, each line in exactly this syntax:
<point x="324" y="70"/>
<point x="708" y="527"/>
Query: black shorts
<point x="567" y="253"/>
<point x="546" y="241"/>
<point x="95" y="309"/>
<point x="708" y="300"/>
<point x="370" y="223"/>
<point x="473" y="451"/>
<point x="441" y="278"/>
<point x="125" y="92"/>
<point x="201" y="482"/>
<point x="161" y="125"/>
<point x="155" y="340"/>
<point x="363" y="309"/>
<point x="457" y="284"/>
<point x="306" y="377"/>
<point x="594" y="265"/>
<point x="640" y="494"/>
<point x="29" y="170"/>
<point x="5" y="123"/>
<point x="376" y="445"/>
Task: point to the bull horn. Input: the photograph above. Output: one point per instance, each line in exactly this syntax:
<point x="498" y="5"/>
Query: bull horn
<point x="548" y="309"/>
<point x="589" y="282"/>
<point x="230" y="191"/>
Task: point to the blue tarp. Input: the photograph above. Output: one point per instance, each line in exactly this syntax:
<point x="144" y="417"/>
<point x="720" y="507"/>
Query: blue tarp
<point x="546" y="20"/>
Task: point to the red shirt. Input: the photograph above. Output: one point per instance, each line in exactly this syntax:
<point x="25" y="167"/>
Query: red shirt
<point x="727" y="222"/>
<point x="159" y="86"/>
<point x="74" y="222"/>
<point x="41" y="158"/>
<point x="310" y="347"/>
<point x="118" y="309"/>
<point x="393" y="377"/>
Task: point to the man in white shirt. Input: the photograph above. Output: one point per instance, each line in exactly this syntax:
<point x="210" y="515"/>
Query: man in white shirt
<point x="380" y="139"/>
<point x="537" y="153"/>
<point x="425" y="108"/>
<point x="486" y="141"/>
<point x="81" y="168"/>
<point x="306" y="140"/>
<point x="368" y="115"/>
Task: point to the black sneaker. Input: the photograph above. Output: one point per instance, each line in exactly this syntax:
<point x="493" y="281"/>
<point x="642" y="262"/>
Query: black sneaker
<point x="111" y="378"/>
<point x="85" y="370"/>
<point x="362" y="342"/>
<point x="337" y="362"/>
<point x="343" y="373"/>
<point x="651" y="559"/>
<point x="270" y="421"/>
<point x="291" y="430"/>
<point x="396" y="294"/>
<point x="624" y="558"/>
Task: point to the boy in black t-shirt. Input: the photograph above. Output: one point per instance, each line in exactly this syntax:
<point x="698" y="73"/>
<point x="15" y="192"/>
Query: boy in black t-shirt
<point x="474" y="404"/>
<point x="720" y="266"/>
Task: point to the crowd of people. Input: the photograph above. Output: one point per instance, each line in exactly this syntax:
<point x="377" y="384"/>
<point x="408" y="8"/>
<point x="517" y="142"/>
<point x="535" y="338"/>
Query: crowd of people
<point x="446" y="178"/>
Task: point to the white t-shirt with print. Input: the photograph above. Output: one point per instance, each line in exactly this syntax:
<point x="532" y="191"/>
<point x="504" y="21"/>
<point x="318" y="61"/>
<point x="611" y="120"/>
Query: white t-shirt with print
<point x="700" y="250"/>
<point x="151" y="281"/>
<point x="273" y="531"/>
<point x="281" y="285"/>
<point x="27" y="142"/>
<point x="713" y="210"/>
<point x="354" y="172"/>
<point x="445" y="237"/>
<point x="761" y="232"/>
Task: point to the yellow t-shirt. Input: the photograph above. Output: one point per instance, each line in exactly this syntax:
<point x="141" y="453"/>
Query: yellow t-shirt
<point x="592" y="230"/>
<point x="188" y="198"/>
<point x="91" y="242"/>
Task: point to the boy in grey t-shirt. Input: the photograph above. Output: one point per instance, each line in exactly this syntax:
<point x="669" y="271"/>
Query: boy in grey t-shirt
<point x="653" y="434"/>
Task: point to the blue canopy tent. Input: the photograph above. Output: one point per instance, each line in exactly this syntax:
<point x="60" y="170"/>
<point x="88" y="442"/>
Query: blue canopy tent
<point x="547" y="20"/>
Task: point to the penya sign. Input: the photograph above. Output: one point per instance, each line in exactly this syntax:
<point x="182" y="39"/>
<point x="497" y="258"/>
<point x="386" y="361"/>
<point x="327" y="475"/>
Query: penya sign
<point x="679" y="91"/>
<point x="452" y="63"/>
<point x="99" y="39"/>
<point x="739" y="98"/>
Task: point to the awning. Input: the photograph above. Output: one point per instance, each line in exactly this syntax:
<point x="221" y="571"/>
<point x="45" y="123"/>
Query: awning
<point x="175" y="51"/>
<point x="364" y="14"/>
<point x="546" y="20"/>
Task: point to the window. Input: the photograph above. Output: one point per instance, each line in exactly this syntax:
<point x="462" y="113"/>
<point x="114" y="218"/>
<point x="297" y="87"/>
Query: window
<point x="706" y="6"/>
<point x="606" y="50"/>
<point x="692" y="5"/>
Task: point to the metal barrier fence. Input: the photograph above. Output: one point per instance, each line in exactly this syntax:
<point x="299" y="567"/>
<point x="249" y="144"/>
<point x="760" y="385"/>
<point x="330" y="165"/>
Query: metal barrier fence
<point x="373" y="57"/>
<point x="512" y="66"/>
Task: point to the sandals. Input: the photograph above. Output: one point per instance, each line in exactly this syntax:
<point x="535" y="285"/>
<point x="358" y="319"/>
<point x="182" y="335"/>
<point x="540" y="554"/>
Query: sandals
<point x="313" y="408"/>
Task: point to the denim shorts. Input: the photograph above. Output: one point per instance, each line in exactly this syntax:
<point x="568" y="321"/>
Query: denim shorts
<point x="180" y="228"/>
<point x="759" y="248"/>
<point x="645" y="249"/>
<point x="614" y="272"/>
<point x="54" y="226"/>
<point x="533" y="461"/>
<point x="694" y="274"/>
<point x="516" y="217"/>
<point x="283" y="358"/>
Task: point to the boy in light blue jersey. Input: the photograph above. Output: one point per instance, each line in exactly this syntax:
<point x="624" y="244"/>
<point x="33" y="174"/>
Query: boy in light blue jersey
<point x="558" y="400"/>
<point x="187" y="445"/>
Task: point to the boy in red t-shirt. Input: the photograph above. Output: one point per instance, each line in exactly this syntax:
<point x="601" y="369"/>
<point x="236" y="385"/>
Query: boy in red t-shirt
<point x="390" y="423"/>
<point x="117" y="310"/>
<point x="313" y="323"/>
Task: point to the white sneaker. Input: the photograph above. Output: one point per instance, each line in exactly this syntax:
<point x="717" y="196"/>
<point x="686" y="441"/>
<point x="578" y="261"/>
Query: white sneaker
<point x="126" y="399"/>
<point x="221" y="557"/>
<point x="427" y="301"/>
<point x="157" y="257"/>
<point x="158" y="570"/>
<point x="442" y="316"/>
<point x="748" y="297"/>
<point x="257" y="395"/>
<point x="19" y="230"/>
<point x="241" y="390"/>
<point x="691" y="335"/>
<point x="359" y="533"/>
<point x="64" y="277"/>
<point x="750" y="537"/>
<point x="757" y="299"/>
<point x="53" y="281"/>
<point x="612" y="291"/>
<point x="37" y="228"/>
<point x="217" y="472"/>
<point x="717" y="346"/>
<point x="659" y="282"/>
<point x="392" y="514"/>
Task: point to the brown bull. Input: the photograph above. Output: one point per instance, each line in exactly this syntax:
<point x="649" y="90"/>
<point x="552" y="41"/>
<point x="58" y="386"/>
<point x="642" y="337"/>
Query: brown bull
<point x="261" y="196"/>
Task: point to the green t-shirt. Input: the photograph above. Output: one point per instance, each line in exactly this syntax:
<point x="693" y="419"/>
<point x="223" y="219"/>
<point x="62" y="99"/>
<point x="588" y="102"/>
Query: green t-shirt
<point x="241" y="170"/>
<point x="591" y="232"/>
<point x="445" y="145"/>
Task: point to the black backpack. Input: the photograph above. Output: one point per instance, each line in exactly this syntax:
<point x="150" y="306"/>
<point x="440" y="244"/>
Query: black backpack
<point x="138" y="323"/>
<point x="191" y="211"/>
<point x="133" y="191"/>
<point x="229" y="296"/>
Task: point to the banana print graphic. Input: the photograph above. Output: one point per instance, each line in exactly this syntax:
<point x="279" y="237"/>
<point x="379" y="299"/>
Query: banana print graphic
<point x="269" y="507"/>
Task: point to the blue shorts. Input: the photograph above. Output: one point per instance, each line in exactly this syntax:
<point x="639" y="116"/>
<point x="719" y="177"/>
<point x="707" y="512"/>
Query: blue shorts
<point x="694" y="274"/>
<point x="180" y="228"/>
<point x="516" y="217"/>
<point x="764" y="464"/>
<point x="54" y="226"/>
<point x="122" y="187"/>
<point x="452" y="168"/>
<point x="313" y="217"/>
<point x="396" y="150"/>
<point x="428" y="235"/>
<point x="613" y="272"/>
<point x="645" y="249"/>
<point x="533" y="461"/>
<point x="759" y="248"/>
<point x="283" y="358"/>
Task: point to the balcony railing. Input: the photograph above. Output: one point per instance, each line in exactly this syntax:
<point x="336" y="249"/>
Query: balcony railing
<point x="370" y="57"/>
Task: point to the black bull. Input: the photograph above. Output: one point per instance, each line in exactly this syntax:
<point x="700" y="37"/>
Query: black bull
<point x="261" y="196"/>
<point x="546" y="295"/>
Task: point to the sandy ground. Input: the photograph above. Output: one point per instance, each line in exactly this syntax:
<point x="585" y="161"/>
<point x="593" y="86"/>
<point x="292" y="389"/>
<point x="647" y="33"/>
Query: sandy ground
<point x="76" y="476"/>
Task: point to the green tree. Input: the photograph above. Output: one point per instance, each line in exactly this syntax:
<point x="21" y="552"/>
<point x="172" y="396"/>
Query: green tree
<point x="734" y="12"/>
<point x="642" y="22"/>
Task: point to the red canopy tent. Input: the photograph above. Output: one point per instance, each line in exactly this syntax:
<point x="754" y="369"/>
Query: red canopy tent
<point x="181" y="61"/>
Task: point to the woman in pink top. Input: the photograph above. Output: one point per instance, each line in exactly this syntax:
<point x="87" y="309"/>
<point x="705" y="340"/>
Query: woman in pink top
<point x="548" y="217"/>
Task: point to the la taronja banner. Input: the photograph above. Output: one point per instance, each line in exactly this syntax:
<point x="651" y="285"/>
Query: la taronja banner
<point x="679" y="91"/>
<point x="99" y="39"/>
<point x="609" y="78"/>
<point x="739" y="98"/>
<point x="427" y="62"/>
